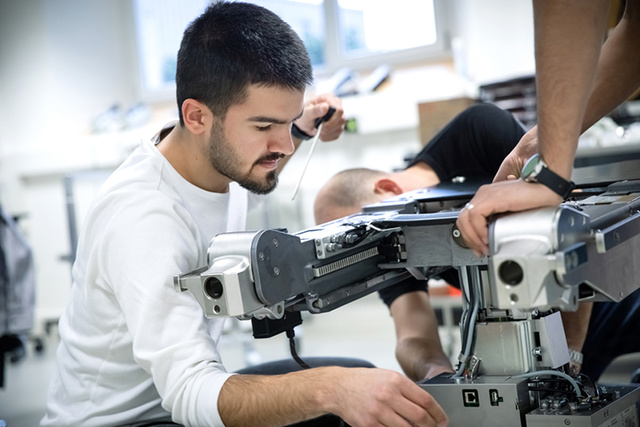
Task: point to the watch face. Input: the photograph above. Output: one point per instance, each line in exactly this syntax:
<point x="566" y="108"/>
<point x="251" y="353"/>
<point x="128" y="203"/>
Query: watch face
<point x="530" y="167"/>
<point x="537" y="171"/>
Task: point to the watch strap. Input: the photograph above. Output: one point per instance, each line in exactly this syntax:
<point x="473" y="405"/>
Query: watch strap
<point x="555" y="182"/>
<point x="536" y="170"/>
<point x="299" y="133"/>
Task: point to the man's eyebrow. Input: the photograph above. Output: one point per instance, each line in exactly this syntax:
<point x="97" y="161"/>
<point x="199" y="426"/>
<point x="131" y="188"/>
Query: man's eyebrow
<point x="267" y="119"/>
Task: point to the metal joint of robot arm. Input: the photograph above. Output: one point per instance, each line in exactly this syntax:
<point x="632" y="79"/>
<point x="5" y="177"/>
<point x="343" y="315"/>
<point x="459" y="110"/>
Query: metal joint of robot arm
<point x="229" y="276"/>
<point x="553" y="257"/>
<point x="261" y="274"/>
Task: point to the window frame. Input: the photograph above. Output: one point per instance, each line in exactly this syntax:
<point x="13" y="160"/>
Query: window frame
<point x="334" y="59"/>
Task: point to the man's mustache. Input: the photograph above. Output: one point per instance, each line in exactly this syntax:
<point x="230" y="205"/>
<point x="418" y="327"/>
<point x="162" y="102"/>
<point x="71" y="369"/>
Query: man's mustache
<point x="269" y="157"/>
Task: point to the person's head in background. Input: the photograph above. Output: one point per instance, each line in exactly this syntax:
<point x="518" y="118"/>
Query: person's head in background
<point x="349" y="190"/>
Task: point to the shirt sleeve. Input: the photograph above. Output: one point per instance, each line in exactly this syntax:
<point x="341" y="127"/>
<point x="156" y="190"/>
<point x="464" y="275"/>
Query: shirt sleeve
<point x="142" y="250"/>
<point x="390" y="293"/>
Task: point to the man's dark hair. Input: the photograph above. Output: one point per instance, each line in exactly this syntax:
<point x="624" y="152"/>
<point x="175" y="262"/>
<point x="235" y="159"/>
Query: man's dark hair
<point x="233" y="45"/>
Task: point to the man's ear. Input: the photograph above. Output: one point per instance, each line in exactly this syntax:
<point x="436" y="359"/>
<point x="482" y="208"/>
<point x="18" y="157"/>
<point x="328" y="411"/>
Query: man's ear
<point x="197" y="116"/>
<point x="387" y="187"/>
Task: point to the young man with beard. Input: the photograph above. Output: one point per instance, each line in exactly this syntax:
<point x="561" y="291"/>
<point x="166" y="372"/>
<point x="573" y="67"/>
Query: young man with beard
<point x="134" y="351"/>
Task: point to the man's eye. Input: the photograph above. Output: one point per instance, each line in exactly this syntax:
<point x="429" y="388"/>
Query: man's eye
<point x="263" y="128"/>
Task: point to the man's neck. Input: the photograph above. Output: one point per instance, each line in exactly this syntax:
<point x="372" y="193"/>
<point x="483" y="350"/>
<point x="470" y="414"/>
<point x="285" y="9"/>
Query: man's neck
<point x="417" y="176"/>
<point x="184" y="151"/>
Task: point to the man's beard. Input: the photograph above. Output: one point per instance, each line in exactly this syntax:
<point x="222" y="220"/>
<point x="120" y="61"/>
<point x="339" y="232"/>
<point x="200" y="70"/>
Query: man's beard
<point x="224" y="158"/>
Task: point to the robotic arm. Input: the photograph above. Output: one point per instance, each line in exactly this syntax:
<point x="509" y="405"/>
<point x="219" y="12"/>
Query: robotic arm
<point x="542" y="259"/>
<point x="263" y="274"/>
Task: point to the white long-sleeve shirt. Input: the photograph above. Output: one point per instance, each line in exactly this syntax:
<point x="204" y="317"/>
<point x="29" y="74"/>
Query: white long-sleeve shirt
<point x="132" y="348"/>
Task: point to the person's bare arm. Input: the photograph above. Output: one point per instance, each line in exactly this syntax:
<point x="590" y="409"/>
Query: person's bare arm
<point x="568" y="38"/>
<point x="360" y="396"/>
<point x="578" y="82"/>
<point x="617" y="77"/>
<point x="618" y="71"/>
<point x="576" y="325"/>
<point x="418" y="347"/>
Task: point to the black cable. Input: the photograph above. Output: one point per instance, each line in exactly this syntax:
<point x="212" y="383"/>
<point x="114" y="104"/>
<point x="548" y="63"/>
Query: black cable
<point x="539" y="385"/>
<point x="595" y="386"/>
<point x="292" y="347"/>
<point x="360" y="232"/>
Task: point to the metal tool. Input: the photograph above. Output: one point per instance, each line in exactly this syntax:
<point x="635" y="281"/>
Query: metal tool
<point x="317" y="124"/>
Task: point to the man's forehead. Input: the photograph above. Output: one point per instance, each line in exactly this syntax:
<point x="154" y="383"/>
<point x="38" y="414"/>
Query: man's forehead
<point x="267" y="101"/>
<point x="273" y="97"/>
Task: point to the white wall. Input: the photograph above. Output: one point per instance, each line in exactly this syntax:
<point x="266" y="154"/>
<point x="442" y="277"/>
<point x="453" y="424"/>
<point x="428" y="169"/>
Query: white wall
<point x="61" y="63"/>
<point x="496" y="39"/>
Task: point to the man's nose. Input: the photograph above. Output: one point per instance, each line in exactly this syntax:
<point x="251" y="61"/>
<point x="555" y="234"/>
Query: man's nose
<point x="282" y="142"/>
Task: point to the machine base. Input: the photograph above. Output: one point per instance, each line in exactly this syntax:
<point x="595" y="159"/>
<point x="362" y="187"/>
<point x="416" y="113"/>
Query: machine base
<point x="622" y="412"/>
<point x="500" y="401"/>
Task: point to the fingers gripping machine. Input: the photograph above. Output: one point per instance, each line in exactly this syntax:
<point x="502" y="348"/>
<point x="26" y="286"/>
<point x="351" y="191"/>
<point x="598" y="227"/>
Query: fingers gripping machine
<point x="513" y="365"/>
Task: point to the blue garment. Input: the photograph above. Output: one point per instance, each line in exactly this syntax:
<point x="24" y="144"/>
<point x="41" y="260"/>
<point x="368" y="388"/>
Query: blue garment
<point x="612" y="332"/>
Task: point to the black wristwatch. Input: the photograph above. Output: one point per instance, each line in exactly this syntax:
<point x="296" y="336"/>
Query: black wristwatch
<point x="536" y="170"/>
